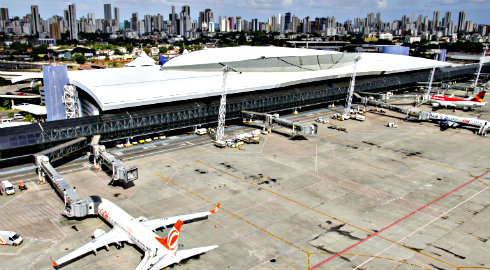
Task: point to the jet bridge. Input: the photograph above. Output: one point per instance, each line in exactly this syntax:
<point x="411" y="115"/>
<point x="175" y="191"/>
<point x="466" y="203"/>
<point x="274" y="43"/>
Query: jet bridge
<point x="443" y="119"/>
<point x="74" y="206"/>
<point x="120" y="173"/>
<point x="274" y="119"/>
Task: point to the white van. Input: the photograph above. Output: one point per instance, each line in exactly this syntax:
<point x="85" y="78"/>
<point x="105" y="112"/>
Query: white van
<point x="10" y="238"/>
<point x="7" y="187"/>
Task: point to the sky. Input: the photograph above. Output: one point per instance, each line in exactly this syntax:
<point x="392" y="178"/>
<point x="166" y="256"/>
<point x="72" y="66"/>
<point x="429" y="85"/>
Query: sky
<point x="477" y="11"/>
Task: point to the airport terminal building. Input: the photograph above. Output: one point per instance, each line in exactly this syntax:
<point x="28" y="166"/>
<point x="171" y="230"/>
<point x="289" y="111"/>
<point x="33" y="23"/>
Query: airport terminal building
<point x="135" y="101"/>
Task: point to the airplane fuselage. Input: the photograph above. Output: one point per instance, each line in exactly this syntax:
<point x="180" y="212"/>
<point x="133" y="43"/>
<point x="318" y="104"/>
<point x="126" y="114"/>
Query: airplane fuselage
<point x="140" y="235"/>
<point x="455" y="102"/>
<point x="458" y="119"/>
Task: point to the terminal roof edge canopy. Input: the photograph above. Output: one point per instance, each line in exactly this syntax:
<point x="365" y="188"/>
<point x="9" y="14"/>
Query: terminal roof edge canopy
<point x="198" y="74"/>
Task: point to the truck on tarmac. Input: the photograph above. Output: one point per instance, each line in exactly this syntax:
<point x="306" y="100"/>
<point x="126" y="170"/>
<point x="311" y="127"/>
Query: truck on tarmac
<point x="10" y="238"/>
<point x="7" y="187"/>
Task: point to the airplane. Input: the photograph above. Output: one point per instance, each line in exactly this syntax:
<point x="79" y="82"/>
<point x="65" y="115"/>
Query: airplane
<point x="446" y="121"/>
<point x="450" y="102"/>
<point x="159" y="252"/>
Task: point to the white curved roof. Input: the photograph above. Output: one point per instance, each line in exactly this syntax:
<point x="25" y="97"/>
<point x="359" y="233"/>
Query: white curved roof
<point x="118" y="88"/>
<point x="142" y="60"/>
<point x="232" y="54"/>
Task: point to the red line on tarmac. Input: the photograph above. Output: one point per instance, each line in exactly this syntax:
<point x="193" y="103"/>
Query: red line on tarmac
<point x="396" y="222"/>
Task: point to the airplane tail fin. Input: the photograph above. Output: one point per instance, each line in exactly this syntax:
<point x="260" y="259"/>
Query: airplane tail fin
<point x="172" y="240"/>
<point x="479" y="97"/>
<point x="215" y="209"/>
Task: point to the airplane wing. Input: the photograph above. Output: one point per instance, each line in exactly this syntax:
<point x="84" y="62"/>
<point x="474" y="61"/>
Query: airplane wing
<point x="113" y="236"/>
<point x="154" y="224"/>
<point x="181" y="254"/>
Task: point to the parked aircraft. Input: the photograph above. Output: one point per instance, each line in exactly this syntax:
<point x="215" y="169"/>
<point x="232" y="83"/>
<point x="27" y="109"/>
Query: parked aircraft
<point x="159" y="252"/>
<point x="451" y="102"/>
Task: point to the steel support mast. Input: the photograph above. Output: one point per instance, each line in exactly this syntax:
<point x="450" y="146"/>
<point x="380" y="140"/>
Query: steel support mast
<point x="475" y="83"/>
<point x="220" y="132"/>
<point x="351" y="87"/>
<point x="431" y="79"/>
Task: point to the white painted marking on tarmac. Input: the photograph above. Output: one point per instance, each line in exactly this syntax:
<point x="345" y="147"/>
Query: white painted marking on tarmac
<point x="44" y="253"/>
<point x="18" y="251"/>
<point x="419" y="229"/>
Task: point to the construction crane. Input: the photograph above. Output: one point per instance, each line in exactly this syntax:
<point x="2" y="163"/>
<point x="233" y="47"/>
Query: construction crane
<point x="479" y="69"/>
<point x="351" y="89"/>
<point x="220" y="131"/>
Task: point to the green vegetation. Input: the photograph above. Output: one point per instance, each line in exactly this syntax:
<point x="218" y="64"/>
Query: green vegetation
<point x="4" y="82"/>
<point x="82" y="50"/>
<point x="118" y="52"/>
<point x="163" y="49"/>
<point x="79" y="58"/>
<point x="29" y="118"/>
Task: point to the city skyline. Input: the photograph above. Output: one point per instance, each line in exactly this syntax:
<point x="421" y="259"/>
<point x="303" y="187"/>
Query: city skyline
<point x="476" y="10"/>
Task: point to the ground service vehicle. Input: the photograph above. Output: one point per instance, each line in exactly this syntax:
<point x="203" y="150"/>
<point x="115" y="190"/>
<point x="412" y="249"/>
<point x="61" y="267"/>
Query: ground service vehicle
<point x="10" y="238"/>
<point x="7" y="187"/>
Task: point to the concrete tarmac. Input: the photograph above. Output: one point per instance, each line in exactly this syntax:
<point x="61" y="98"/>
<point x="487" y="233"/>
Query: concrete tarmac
<point x="412" y="197"/>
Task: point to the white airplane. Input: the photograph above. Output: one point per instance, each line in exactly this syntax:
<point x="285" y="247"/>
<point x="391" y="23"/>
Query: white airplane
<point x="451" y="102"/>
<point x="159" y="252"/>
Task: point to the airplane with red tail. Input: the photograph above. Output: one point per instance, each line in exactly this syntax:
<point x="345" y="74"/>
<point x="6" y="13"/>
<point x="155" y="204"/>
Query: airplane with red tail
<point x="465" y="104"/>
<point x="159" y="252"/>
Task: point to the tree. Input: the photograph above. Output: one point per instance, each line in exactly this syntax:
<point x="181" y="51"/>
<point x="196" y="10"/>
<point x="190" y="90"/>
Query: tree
<point x="147" y="51"/>
<point x="163" y="49"/>
<point x="79" y="58"/>
<point x="129" y="48"/>
<point x="118" y="52"/>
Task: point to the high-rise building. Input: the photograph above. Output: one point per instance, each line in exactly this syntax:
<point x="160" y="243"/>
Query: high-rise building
<point x="461" y="21"/>
<point x="447" y="19"/>
<point x="4" y="14"/>
<point x="306" y="25"/>
<point x="255" y="25"/>
<point x="35" y="25"/>
<point x="436" y="19"/>
<point x="148" y="28"/>
<point x="159" y="22"/>
<point x="287" y="21"/>
<point x="55" y="31"/>
<point x="134" y="22"/>
<point x="186" y="9"/>
<point x="238" y="23"/>
<point x="107" y="12"/>
<point x="72" y="21"/>
<point x="116" y="18"/>
<point x="172" y="17"/>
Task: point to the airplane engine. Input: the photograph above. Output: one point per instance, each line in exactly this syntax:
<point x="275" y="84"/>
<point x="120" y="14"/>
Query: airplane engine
<point x="98" y="233"/>
<point x="435" y="104"/>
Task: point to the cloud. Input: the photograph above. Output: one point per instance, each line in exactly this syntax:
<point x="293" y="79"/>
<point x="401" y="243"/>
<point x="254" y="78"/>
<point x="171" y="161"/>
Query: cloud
<point x="382" y="4"/>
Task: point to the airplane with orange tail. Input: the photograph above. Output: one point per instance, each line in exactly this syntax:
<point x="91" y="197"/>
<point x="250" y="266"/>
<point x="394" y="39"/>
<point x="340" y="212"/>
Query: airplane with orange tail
<point x="159" y="252"/>
<point x="451" y="102"/>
